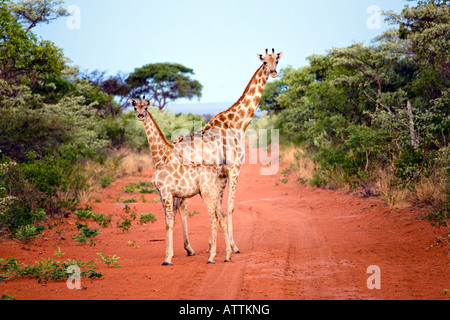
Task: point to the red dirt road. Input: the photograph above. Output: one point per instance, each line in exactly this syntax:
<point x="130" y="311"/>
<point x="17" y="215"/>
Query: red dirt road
<point x="296" y="243"/>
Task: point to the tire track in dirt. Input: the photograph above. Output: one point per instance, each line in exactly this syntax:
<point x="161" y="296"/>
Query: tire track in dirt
<point x="293" y="242"/>
<point x="222" y="280"/>
<point x="296" y="243"/>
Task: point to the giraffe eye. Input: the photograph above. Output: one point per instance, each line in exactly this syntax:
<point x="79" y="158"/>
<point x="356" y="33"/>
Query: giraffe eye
<point x="265" y="63"/>
<point x="135" y="109"/>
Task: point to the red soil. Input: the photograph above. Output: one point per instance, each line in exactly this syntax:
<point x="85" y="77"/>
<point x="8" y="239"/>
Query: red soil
<point x="296" y="242"/>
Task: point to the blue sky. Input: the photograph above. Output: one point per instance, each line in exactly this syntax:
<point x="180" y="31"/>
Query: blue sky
<point x="219" y="40"/>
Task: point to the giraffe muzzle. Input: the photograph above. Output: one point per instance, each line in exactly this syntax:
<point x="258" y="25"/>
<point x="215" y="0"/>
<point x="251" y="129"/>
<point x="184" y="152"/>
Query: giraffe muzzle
<point x="273" y="73"/>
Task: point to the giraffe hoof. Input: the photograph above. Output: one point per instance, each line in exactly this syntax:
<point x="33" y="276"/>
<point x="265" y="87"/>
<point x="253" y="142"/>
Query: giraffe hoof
<point x="211" y="262"/>
<point x="237" y="251"/>
<point x="167" y="263"/>
<point x="227" y="260"/>
<point x="189" y="250"/>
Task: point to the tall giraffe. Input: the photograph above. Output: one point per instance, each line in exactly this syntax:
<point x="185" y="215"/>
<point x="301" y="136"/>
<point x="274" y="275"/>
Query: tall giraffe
<point x="231" y="125"/>
<point x="176" y="181"/>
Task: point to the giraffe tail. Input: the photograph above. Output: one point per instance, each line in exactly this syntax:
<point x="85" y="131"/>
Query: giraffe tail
<point x="176" y="204"/>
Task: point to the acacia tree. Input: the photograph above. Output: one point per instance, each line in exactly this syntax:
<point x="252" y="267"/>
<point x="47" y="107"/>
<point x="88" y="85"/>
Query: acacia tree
<point x="427" y="28"/>
<point x="112" y="91"/>
<point x="116" y="87"/>
<point x="164" y="82"/>
<point x="32" y="12"/>
<point x="22" y="57"/>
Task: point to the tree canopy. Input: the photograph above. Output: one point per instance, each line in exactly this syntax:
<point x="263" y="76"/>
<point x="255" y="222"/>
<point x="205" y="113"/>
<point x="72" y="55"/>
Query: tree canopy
<point x="32" y="12"/>
<point x="24" y="59"/>
<point x="164" y="82"/>
<point x="55" y="118"/>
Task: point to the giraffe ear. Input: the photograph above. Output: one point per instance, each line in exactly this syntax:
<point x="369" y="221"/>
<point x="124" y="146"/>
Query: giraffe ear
<point x="279" y="55"/>
<point x="149" y="102"/>
<point x="133" y="102"/>
<point x="260" y="56"/>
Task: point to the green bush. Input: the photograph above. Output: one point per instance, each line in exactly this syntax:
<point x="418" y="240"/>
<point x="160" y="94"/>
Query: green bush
<point x="46" y="270"/>
<point x="110" y="260"/>
<point x="132" y="200"/>
<point x="29" y="232"/>
<point x="86" y="234"/>
<point x="147" y="217"/>
<point x="48" y="184"/>
<point x="125" y="225"/>
<point x="18" y="218"/>
<point x="410" y="164"/>
<point x="441" y="209"/>
<point x="114" y="130"/>
<point x="102" y="220"/>
<point x="128" y="189"/>
<point x="105" y="181"/>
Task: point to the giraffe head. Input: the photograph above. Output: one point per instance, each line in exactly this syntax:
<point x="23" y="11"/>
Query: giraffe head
<point x="141" y="107"/>
<point x="270" y="62"/>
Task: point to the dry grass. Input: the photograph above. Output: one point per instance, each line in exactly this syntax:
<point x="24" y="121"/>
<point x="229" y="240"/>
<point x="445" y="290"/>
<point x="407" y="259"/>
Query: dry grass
<point x="121" y="163"/>
<point x="95" y="173"/>
<point x="300" y="168"/>
<point x="134" y="162"/>
<point x="429" y="191"/>
<point x="394" y="197"/>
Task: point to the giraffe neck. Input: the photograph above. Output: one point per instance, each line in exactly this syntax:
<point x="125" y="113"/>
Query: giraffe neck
<point x="160" y="149"/>
<point x="239" y="115"/>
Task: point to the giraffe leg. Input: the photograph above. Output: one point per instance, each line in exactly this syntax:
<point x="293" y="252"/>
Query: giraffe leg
<point x="221" y="188"/>
<point x="210" y="197"/>
<point x="233" y="179"/>
<point x="224" y="225"/>
<point x="222" y="217"/>
<point x="168" y="218"/>
<point x="213" y="201"/>
<point x="213" y="236"/>
<point x="210" y="241"/>
<point x="183" y="214"/>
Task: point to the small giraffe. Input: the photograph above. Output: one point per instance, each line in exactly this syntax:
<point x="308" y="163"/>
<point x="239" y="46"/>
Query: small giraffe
<point x="231" y="125"/>
<point x="177" y="181"/>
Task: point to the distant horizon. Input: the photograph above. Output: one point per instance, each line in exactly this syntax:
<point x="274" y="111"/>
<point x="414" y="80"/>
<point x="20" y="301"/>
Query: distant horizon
<point x="201" y="108"/>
